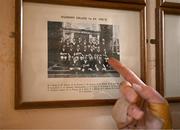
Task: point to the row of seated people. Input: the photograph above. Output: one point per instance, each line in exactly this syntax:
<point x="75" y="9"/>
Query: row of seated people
<point x="84" y="63"/>
<point x="84" y="47"/>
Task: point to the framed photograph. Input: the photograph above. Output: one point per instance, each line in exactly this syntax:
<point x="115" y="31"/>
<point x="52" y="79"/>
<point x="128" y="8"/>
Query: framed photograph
<point x="169" y="3"/>
<point x="62" y="49"/>
<point x="168" y="51"/>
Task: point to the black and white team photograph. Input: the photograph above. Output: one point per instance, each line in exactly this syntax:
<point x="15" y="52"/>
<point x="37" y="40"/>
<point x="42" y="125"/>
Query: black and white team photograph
<point x="81" y="49"/>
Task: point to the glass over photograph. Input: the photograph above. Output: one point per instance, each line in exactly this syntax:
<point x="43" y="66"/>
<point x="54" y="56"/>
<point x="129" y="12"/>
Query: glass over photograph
<point x="81" y="49"/>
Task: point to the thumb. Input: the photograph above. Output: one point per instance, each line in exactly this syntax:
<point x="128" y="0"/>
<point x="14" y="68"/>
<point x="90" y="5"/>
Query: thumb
<point x="156" y="104"/>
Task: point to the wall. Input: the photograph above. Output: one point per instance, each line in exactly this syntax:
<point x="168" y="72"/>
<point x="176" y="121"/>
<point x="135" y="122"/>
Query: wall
<point x="79" y="118"/>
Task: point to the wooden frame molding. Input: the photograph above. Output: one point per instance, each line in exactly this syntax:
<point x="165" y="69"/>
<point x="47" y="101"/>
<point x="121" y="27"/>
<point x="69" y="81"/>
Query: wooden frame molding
<point x="160" y="14"/>
<point x="164" y="3"/>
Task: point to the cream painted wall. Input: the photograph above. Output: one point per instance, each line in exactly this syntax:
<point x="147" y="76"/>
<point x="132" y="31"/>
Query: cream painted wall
<point x="77" y="118"/>
<point x="151" y="5"/>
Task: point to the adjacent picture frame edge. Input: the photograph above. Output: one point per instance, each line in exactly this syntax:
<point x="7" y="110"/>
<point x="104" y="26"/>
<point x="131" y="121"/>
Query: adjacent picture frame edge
<point x="160" y="12"/>
<point x="164" y="3"/>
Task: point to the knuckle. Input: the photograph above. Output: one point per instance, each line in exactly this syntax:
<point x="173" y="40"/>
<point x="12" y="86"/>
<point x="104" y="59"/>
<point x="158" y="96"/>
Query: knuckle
<point x="125" y="83"/>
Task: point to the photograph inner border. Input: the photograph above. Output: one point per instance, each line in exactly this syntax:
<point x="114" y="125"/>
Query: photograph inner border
<point x="81" y="49"/>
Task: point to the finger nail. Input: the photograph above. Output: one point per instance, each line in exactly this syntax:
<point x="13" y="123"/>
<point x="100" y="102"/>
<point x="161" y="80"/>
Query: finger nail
<point x="137" y="87"/>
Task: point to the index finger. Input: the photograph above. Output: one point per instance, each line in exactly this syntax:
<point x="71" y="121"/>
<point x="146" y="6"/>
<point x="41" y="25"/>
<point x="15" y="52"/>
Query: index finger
<point x="128" y="74"/>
